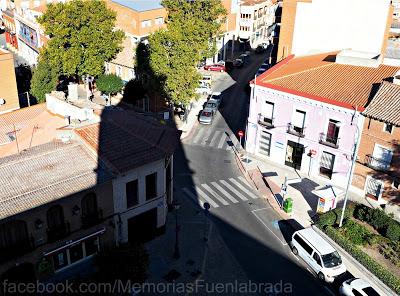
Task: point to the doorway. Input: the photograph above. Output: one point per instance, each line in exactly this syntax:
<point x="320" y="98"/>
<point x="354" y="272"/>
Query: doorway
<point x="142" y="228"/>
<point x="265" y="143"/>
<point x="294" y="155"/>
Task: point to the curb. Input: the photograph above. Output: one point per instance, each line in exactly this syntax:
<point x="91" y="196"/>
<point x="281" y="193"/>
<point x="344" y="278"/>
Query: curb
<point x="370" y="276"/>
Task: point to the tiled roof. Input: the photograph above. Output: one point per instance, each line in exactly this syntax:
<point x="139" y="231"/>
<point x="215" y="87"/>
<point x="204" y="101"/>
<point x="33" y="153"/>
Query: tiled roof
<point x="140" y="5"/>
<point x="125" y="140"/>
<point x="318" y="77"/>
<point x="385" y="105"/>
<point x="46" y="173"/>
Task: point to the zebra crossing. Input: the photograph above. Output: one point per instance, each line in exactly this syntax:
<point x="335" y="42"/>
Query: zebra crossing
<point x="218" y="139"/>
<point x="221" y="193"/>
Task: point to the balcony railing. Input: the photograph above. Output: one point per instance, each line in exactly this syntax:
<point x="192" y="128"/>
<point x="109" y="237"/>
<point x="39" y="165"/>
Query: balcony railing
<point x="58" y="232"/>
<point x="376" y="163"/>
<point x="91" y="219"/>
<point x="295" y="130"/>
<point x="329" y="141"/>
<point x="265" y="121"/>
<point x="15" y="250"/>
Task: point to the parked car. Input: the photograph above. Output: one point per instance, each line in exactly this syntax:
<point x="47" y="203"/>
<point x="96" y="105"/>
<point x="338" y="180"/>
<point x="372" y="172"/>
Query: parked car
<point x="228" y="65"/>
<point x="244" y="57"/>
<point x="260" y="49"/>
<point x="203" y="89"/>
<point x="216" y="96"/>
<point x="215" y="67"/>
<point x="322" y="257"/>
<point x="206" y="116"/>
<point x="357" y="287"/>
<point x="265" y="45"/>
<point x="238" y="63"/>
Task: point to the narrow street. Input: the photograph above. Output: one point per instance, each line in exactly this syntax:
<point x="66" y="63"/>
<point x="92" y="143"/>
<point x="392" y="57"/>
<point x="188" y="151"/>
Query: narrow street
<point x="205" y="171"/>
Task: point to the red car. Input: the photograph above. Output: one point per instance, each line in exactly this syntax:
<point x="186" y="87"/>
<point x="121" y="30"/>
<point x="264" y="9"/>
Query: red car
<point x="215" y="67"/>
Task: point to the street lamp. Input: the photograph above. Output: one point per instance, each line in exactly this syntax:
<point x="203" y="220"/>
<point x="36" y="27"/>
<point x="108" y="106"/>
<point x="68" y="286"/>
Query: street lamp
<point x="353" y="160"/>
<point x="176" y="206"/>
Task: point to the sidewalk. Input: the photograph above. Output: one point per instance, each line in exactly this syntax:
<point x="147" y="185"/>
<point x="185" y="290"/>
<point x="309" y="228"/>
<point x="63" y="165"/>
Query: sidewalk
<point x="268" y="178"/>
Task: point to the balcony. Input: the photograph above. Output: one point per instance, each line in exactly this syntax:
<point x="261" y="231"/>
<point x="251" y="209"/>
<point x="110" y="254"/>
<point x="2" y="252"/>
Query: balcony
<point x="376" y="163"/>
<point x="295" y="130"/>
<point x="92" y="218"/>
<point x="17" y="249"/>
<point x="329" y="141"/>
<point x="265" y="121"/>
<point x="58" y="232"/>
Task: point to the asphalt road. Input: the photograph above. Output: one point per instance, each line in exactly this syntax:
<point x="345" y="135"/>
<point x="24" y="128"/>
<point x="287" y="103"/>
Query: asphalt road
<point x="205" y="171"/>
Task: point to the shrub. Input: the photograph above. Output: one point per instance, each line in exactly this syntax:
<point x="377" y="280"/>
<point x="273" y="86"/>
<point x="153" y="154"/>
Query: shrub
<point x="362" y="213"/>
<point x="393" y="231"/>
<point x="379" y="220"/>
<point x="382" y="273"/>
<point x="356" y="233"/>
<point x="333" y="217"/>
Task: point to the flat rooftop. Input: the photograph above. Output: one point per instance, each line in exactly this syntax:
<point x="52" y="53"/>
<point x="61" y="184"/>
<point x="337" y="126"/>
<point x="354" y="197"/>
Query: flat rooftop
<point x="140" y="5"/>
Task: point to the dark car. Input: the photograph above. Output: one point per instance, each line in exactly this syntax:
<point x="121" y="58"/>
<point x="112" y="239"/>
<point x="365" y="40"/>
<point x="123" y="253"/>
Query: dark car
<point x="238" y="63"/>
<point x="260" y="49"/>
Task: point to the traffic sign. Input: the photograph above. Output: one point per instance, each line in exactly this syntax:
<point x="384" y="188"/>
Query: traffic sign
<point x="240" y="133"/>
<point x="206" y="206"/>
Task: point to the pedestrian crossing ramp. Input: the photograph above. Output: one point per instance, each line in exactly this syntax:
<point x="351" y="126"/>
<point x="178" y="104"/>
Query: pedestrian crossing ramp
<point x="221" y="193"/>
<point x="218" y="139"/>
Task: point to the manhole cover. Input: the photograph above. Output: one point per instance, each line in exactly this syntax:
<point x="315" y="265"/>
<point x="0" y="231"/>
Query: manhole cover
<point x="172" y="275"/>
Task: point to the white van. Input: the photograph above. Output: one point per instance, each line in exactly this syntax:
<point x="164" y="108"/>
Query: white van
<point x="318" y="254"/>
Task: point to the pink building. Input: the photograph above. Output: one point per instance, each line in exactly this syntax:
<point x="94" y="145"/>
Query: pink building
<point x="305" y="112"/>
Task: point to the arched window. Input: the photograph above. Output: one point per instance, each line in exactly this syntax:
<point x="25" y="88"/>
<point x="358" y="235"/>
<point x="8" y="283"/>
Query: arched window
<point x="13" y="234"/>
<point x="89" y="205"/>
<point x="55" y="217"/>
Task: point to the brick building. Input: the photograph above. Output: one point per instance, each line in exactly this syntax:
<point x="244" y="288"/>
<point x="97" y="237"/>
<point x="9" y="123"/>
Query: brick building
<point x="377" y="171"/>
<point x="8" y="84"/>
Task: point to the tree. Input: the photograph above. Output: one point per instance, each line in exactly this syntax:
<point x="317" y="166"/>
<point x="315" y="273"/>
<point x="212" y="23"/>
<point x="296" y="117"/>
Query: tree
<point x="44" y="78"/>
<point x="174" y="52"/>
<point x="109" y="84"/>
<point x="82" y="36"/>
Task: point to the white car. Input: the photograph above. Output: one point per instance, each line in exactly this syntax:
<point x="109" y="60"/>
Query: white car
<point x="217" y="96"/>
<point x="357" y="287"/>
<point x="203" y="89"/>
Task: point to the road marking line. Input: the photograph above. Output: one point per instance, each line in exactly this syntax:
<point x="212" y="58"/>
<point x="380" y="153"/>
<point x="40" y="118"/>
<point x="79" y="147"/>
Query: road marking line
<point x="223" y="191"/>
<point x="243" y="179"/>
<point x="214" y="138"/>
<point x="260" y="209"/>
<point x="231" y="188"/>
<point x="206" y="136"/>
<point x="214" y="194"/>
<point x="221" y="142"/>
<point x="247" y="191"/>
<point x="192" y="196"/>
<point x="284" y="244"/>
<point x="206" y="198"/>
<point x="198" y="135"/>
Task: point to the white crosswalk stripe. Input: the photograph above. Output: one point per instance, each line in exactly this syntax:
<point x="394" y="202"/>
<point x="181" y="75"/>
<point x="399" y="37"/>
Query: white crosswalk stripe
<point x="243" y="188"/>
<point x="215" y="138"/>
<point x="231" y="188"/>
<point x="221" y="192"/>
<point x="206" y="136"/>
<point x="222" y="141"/>
<point x="198" y="135"/>
<point x="214" y="194"/>
<point x="224" y="192"/>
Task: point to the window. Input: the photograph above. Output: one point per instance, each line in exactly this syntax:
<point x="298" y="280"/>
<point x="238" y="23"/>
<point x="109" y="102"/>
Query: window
<point x="151" y="186"/>
<point x="76" y="253"/>
<point x="55" y="217"/>
<point x="132" y="74"/>
<point x="13" y="235"/>
<point x="132" y="196"/>
<point x="298" y="120"/>
<point x="107" y="68"/>
<point x="381" y="158"/>
<point x="89" y="205"/>
<point x="146" y="23"/>
<point x="356" y="293"/>
<point x="332" y="132"/>
<point x="326" y="164"/>
<point x="267" y="111"/>
<point x="118" y="71"/>
<point x="303" y="244"/>
<point x="387" y="127"/>
<point x="373" y="187"/>
<point x="317" y="258"/>
<point x="159" y="21"/>
<point x="60" y="259"/>
<point x="91" y="246"/>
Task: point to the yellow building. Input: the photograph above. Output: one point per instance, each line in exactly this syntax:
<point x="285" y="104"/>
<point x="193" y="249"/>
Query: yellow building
<point x="8" y="84"/>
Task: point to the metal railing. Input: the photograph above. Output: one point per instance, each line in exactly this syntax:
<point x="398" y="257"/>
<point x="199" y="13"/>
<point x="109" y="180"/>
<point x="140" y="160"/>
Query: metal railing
<point x="295" y="130"/>
<point x="265" y="121"/>
<point x="329" y="140"/>
<point x="376" y="163"/>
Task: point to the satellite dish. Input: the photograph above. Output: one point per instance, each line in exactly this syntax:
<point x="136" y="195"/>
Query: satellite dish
<point x="2" y="101"/>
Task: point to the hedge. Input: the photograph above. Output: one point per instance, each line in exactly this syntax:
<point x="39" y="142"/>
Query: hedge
<point x="382" y="273"/>
<point x="333" y="217"/>
<point x="356" y="233"/>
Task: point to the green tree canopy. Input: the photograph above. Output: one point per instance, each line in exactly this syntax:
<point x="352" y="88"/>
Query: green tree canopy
<point x="44" y="78"/>
<point x="82" y="36"/>
<point x="109" y="84"/>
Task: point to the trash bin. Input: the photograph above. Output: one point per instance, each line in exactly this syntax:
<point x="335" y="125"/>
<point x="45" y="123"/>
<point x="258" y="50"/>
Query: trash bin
<point x="288" y="205"/>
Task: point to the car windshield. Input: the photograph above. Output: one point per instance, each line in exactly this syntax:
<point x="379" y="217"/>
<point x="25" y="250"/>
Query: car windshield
<point x="210" y="105"/>
<point x="370" y="291"/>
<point x="332" y="259"/>
<point x="215" y="97"/>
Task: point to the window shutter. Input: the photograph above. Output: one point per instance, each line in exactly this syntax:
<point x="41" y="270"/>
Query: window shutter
<point x="298" y="118"/>
<point x="267" y="110"/>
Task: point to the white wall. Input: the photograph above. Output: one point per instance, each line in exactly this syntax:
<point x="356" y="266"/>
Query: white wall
<point x="327" y="25"/>
<point x="119" y="192"/>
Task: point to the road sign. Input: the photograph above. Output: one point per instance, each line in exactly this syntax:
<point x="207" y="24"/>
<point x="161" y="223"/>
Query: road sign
<point x="240" y="133"/>
<point x="206" y="206"/>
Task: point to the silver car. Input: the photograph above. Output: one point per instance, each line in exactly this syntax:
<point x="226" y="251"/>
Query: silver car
<point x="206" y="116"/>
<point x="216" y="96"/>
<point x="213" y="106"/>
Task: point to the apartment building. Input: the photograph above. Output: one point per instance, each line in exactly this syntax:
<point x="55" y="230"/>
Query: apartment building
<point x="9" y="24"/>
<point x="86" y="193"/>
<point x="256" y="21"/>
<point x="288" y="99"/>
<point x="312" y="26"/>
<point x="377" y="173"/>
<point x="8" y="85"/>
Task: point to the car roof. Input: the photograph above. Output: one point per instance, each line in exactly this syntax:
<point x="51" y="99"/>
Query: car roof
<point x="317" y="241"/>
<point x="360" y="284"/>
<point x="216" y="93"/>
<point x="207" y="110"/>
<point x="211" y="100"/>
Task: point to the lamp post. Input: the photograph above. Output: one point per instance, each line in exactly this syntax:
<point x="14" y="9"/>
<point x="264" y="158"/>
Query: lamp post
<point x="353" y="160"/>
<point x="177" y="254"/>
